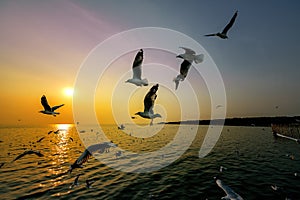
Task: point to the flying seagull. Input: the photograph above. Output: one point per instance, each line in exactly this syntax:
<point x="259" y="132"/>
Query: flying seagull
<point x="89" y="183"/>
<point x="101" y="148"/>
<point x="137" y="70"/>
<point x="40" y="139"/>
<point x="148" y="105"/>
<point x="47" y="109"/>
<point x="188" y="58"/>
<point x="222" y="168"/>
<point x="38" y="153"/>
<point x="121" y="127"/>
<point x="230" y="194"/>
<point x="223" y="34"/>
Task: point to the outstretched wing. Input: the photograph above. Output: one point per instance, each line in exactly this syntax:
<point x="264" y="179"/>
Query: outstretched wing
<point x="137" y="65"/>
<point x="184" y="68"/>
<point x="150" y="99"/>
<point x="213" y="34"/>
<point x="38" y="153"/>
<point x="45" y="103"/>
<point x="229" y="25"/>
<point x="20" y="156"/>
<point x="83" y="157"/>
<point x="55" y="107"/>
<point x="230" y="194"/>
<point x="188" y="51"/>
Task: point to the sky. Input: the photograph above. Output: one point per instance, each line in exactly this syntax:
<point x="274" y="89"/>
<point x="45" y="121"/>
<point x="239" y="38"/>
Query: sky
<point x="44" y="44"/>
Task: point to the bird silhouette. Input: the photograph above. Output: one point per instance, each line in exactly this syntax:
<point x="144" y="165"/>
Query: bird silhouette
<point x="223" y="34"/>
<point x="47" y="109"/>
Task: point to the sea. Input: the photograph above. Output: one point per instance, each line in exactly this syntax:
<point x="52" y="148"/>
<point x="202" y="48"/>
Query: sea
<point x="249" y="160"/>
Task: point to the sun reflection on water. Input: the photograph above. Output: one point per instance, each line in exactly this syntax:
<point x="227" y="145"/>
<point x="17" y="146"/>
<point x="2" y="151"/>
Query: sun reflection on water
<point x="62" y="147"/>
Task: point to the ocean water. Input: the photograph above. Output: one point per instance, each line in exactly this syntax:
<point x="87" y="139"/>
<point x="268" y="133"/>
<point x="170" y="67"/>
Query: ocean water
<point x="253" y="158"/>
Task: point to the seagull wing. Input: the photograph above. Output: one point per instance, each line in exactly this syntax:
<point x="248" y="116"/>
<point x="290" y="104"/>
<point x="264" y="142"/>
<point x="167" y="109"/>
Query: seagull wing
<point x="83" y="157"/>
<point x="28" y="152"/>
<point x="150" y="99"/>
<point x="38" y="153"/>
<point x="55" y="107"/>
<point x="40" y="139"/>
<point x="229" y="25"/>
<point x="230" y="194"/>
<point x="76" y="179"/>
<point x="45" y="103"/>
<point x="137" y="72"/>
<point x="188" y="51"/>
<point x="137" y="65"/>
<point x="184" y="68"/>
<point x="20" y="156"/>
<point x="213" y="34"/>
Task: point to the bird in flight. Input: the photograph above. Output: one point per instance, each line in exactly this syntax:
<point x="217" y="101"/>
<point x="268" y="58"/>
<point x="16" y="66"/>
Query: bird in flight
<point x="47" y="109"/>
<point x="137" y="70"/>
<point x="89" y="183"/>
<point x="121" y="127"/>
<point x="230" y="194"/>
<point x="148" y="105"/>
<point x="101" y="148"/>
<point x="188" y="58"/>
<point x="40" y="139"/>
<point x="223" y="34"/>
<point x="38" y="153"/>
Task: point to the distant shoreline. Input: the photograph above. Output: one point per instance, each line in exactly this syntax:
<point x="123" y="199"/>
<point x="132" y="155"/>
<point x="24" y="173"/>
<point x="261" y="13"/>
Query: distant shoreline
<point x="243" y="121"/>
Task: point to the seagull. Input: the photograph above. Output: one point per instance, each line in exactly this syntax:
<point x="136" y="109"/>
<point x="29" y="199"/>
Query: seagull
<point x="101" y="148"/>
<point x="47" y="109"/>
<point x="121" y="127"/>
<point x="137" y="70"/>
<point x="50" y="132"/>
<point x="274" y="187"/>
<point x="38" y="153"/>
<point x="89" y="183"/>
<point x="188" y="57"/>
<point x="222" y="168"/>
<point x="75" y="183"/>
<point x="40" y="139"/>
<point x="148" y="105"/>
<point x="1" y="165"/>
<point x="223" y="34"/>
<point x="230" y="194"/>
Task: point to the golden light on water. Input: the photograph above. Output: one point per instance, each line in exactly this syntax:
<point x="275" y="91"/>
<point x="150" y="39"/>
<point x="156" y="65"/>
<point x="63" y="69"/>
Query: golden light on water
<point x="63" y="127"/>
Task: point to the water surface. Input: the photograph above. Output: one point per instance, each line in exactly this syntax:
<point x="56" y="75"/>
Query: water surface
<point x="253" y="158"/>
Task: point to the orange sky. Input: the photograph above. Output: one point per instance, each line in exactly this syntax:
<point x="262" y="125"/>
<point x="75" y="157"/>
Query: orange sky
<point x="44" y="44"/>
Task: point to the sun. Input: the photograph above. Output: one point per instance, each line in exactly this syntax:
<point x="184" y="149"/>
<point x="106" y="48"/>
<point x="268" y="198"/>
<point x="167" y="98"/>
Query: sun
<point x="69" y="92"/>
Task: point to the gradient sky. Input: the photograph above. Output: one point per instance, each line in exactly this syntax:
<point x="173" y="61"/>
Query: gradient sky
<point x="43" y="44"/>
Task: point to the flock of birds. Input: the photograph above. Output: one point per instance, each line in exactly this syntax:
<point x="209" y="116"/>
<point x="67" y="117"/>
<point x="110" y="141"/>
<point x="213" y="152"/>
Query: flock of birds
<point x="188" y="57"/>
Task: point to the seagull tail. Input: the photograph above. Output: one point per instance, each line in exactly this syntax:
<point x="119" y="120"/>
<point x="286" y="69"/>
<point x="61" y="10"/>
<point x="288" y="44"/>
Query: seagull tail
<point x="145" y="82"/>
<point x="199" y="58"/>
<point x="176" y="80"/>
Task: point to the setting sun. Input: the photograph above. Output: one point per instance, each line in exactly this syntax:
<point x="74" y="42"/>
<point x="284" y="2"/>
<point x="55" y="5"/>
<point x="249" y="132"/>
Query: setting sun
<point x="68" y="91"/>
